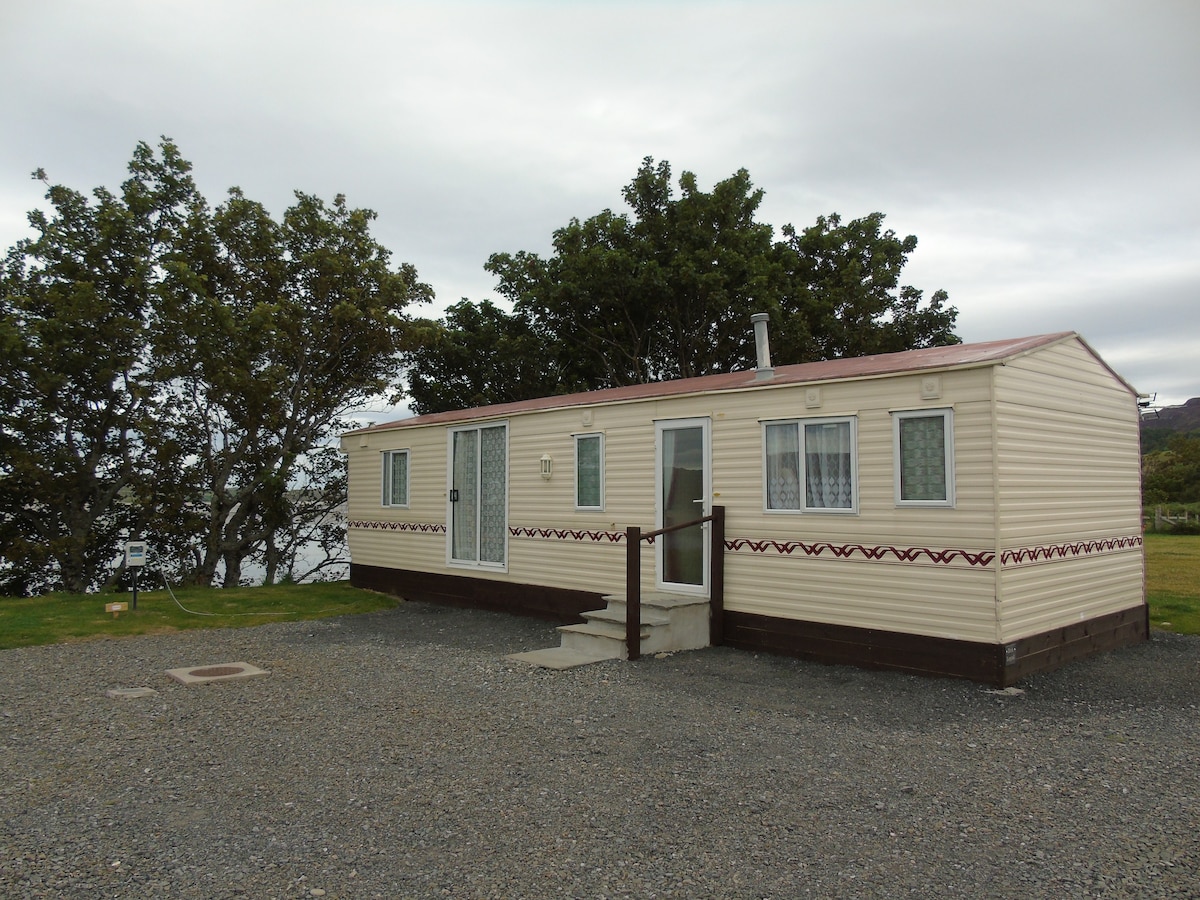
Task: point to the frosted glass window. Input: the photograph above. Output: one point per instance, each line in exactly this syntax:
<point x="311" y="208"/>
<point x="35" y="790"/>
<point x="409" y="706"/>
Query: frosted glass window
<point x="589" y="471"/>
<point x="395" y="478"/>
<point x="924" y="458"/>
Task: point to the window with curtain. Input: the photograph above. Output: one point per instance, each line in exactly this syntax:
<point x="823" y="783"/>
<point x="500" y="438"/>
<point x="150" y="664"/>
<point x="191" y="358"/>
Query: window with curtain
<point x="811" y="465"/>
<point x="783" y="466"/>
<point x="924" y="458"/>
<point x="395" y="478"/>
<point x="589" y="471"/>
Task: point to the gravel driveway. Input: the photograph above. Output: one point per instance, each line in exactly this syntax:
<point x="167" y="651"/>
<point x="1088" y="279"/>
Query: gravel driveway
<point x="399" y="754"/>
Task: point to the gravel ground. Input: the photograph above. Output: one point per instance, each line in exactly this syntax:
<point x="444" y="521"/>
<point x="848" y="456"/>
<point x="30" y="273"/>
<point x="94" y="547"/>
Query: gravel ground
<point x="400" y="754"/>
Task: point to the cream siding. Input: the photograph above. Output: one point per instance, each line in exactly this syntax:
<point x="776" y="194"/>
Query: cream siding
<point x="1068" y="477"/>
<point x="1045" y="451"/>
<point x="931" y="600"/>
<point x="1062" y="592"/>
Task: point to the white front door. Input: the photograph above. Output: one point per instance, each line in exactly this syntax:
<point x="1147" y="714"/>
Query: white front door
<point x="684" y="490"/>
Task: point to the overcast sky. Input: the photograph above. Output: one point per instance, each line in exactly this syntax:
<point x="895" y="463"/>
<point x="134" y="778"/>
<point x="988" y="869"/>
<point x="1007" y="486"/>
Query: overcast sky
<point x="1046" y="154"/>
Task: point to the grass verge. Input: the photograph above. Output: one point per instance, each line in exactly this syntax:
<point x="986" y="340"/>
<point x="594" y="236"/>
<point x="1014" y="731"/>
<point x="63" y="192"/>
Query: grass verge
<point x="55" y="618"/>
<point x="1173" y="582"/>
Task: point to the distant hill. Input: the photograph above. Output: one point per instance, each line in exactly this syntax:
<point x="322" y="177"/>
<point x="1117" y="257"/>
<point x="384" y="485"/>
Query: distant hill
<point x="1174" y="418"/>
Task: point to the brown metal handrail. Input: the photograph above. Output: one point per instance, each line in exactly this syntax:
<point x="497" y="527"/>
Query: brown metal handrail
<point x="633" y="578"/>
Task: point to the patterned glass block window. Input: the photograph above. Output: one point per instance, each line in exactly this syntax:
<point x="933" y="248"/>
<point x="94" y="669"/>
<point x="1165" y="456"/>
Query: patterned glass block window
<point x="810" y="465"/>
<point x="589" y="471"/>
<point x="395" y="478"/>
<point x="924" y="459"/>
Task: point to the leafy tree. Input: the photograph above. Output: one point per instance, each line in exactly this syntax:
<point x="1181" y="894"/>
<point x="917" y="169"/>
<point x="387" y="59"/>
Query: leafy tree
<point x="666" y="291"/>
<point x="76" y="391"/>
<point x="272" y="333"/>
<point x="1173" y="475"/>
<point x="181" y="370"/>
<point x="312" y="536"/>
<point x="478" y="355"/>
<point x="663" y="294"/>
<point x="845" y="298"/>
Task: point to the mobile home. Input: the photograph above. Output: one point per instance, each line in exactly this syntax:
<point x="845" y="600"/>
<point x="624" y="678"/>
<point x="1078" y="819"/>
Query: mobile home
<point x="972" y="510"/>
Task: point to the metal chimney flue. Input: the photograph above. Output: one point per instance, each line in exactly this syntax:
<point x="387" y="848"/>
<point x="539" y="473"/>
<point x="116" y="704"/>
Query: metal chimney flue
<point x="762" y="347"/>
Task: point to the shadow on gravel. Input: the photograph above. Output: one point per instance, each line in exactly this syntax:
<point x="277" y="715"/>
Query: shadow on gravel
<point x="428" y="623"/>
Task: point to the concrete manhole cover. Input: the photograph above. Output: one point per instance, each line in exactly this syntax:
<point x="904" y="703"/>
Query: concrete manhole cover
<point x="223" y="672"/>
<point x="217" y="671"/>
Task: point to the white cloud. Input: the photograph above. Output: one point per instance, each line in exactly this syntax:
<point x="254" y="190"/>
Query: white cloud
<point x="1044" y="154"/>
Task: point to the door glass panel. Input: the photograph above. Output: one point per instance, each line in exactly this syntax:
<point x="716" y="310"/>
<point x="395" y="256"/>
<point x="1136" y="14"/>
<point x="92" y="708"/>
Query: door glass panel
<point x="682" y="500"/>
<point x="492" y="470"/>
<point x="465" y="510"/>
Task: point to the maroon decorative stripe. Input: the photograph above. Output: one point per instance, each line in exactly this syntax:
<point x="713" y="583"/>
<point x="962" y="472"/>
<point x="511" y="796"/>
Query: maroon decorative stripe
<point x="420" y="527"/>
<point x="787" y="548"/>
<point x="564" y="534"/>
<point x="845" y="551"/>
<point x="1064" y="551"/>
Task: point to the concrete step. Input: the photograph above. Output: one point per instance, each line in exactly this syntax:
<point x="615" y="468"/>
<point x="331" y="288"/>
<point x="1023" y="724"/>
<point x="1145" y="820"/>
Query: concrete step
<point x="598" y="638"/>
<point x="650" y="616"/>
<point x="687" y="618"/>
<point x="558" y="658"/>
<point x="659" y="600"/>
<point x="669" y="622"/>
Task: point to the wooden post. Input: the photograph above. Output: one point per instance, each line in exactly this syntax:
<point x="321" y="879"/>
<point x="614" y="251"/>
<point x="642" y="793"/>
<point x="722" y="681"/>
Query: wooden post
<point x="633" y="591"/>
<point x="716" y="583"/>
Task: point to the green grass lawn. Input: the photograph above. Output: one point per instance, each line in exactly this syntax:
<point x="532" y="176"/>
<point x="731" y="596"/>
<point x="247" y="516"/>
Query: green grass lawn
<point x="1173" y="582"/>
<point x="54" y="618"/>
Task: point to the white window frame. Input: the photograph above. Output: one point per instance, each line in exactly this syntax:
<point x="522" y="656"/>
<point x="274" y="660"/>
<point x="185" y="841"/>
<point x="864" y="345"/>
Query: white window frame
<point x="597" y="436"/>
<point x="800" y="426"/>
<point x="386" y="481"/>
<point x="947" y="416"/>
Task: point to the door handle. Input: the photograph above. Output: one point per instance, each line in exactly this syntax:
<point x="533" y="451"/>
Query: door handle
<point x="453" y="495"/>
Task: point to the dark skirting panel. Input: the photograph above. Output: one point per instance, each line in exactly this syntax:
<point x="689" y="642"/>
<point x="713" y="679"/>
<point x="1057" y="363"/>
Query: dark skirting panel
<point x="996" y="664"/>
<point x="538" y="601"/>
<point x="866" y="647"/>
<point x="1052" y="649"/>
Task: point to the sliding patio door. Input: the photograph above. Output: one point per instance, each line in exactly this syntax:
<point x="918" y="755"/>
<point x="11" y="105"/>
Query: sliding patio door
<point x="478" y="533"/>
